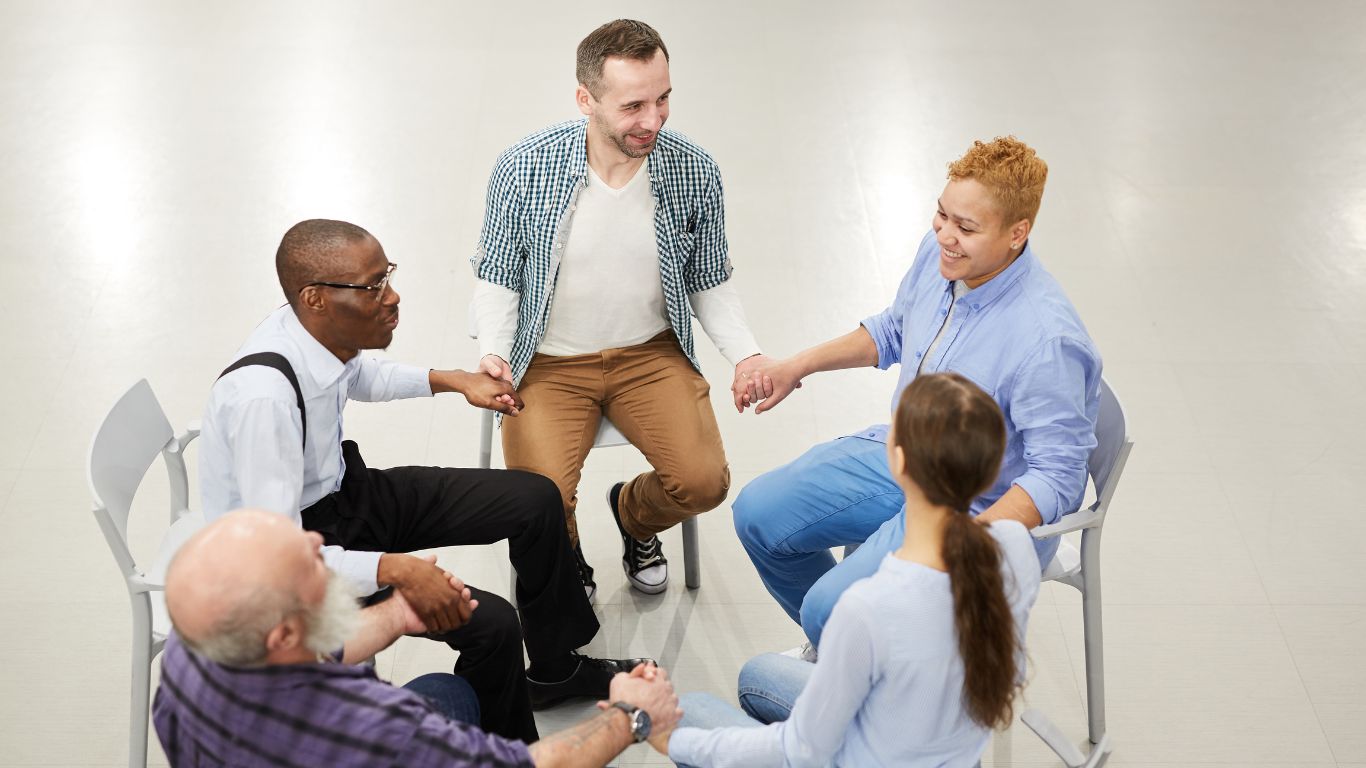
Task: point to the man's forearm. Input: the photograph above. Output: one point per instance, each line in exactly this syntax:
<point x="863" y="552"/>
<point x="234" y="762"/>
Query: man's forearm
<point x="590" y="743"/>
<point x="855" y="349"/>
<point x="1015" y="504"/>
<point x="447" y="381"/>
<point x="379" y="628"/>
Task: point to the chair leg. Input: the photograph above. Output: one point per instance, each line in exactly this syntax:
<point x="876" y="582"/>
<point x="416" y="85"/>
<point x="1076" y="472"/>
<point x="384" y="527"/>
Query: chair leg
<point x="1093" y="632"/>
<point x="486" y="440"/>
<point x="692" y="569"/>
<point x="141" y="682"/>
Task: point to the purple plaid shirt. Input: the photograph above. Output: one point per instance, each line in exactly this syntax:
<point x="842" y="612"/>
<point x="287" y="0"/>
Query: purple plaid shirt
<point x="308" y="715"/>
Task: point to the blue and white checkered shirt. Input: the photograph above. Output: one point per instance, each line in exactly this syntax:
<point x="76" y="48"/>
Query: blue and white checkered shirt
<point x="531" y="199"/>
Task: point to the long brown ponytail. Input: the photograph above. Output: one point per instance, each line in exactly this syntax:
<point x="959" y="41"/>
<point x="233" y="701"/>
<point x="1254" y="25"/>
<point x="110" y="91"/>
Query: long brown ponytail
<point x="953" y="436"/>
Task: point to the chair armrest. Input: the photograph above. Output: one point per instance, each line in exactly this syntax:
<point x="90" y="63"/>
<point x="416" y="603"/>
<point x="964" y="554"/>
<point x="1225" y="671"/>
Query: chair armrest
<point x="180" y="441"/>
<point x="1082" y="518"/>
<point x="141" y="583"/>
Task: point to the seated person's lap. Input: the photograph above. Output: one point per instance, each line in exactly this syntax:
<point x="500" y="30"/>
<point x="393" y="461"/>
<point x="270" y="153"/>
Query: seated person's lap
<point x="836" y="493"/>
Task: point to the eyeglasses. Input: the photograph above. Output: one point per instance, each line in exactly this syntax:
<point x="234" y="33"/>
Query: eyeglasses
<point x="380" y="288"/>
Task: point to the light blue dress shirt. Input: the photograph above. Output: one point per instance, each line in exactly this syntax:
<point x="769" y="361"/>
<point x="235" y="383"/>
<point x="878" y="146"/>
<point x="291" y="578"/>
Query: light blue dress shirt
<point x="1018" y="338"/>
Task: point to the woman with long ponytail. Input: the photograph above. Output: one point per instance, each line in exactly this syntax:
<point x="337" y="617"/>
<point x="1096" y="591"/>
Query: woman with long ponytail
<point x="921" y="661"/>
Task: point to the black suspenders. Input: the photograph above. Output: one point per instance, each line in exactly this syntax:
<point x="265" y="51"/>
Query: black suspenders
<point x="280" y="363"/>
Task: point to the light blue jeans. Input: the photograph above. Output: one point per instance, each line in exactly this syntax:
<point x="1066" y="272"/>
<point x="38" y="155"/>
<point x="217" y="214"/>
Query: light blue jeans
<point x="837" y="493"/>
<point x="768" y="689"/>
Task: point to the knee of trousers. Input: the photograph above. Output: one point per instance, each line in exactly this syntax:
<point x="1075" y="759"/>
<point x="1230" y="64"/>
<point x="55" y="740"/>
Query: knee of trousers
<point x="538" y="496"/>
<point x="819" y="602"/>
<point x="700" y="489"/>
<point x="500" y="633"/>
<point x="755" y="509"/>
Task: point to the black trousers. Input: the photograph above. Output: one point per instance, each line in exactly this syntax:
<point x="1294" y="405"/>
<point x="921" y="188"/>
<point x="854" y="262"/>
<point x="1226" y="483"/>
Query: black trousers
<point x="410" y="508"/>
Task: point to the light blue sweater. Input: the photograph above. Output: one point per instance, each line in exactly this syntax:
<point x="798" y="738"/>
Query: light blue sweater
<point x="888" y="688"/>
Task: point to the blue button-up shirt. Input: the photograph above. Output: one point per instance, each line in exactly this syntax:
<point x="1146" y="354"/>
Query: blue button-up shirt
<point x="529" y="210"/>
<point x="1018" y="338"/>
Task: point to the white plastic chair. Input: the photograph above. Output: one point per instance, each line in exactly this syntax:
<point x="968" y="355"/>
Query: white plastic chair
<point x="608" y="437"/>
<point x="1081" y="570"/>
<point x="125" y="445"/>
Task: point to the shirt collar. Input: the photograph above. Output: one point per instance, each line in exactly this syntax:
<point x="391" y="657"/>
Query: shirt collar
<point x="323" y="366"/>
<point x="994" y="288"/>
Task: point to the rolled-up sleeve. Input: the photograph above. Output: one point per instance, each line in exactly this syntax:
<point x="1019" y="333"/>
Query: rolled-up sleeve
<point x="498" y="258"/>
<point x="1053" y="406"/>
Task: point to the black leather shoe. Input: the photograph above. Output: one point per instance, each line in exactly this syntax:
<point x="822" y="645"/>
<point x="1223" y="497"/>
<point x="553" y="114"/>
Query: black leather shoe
<point x="591" y="680"/>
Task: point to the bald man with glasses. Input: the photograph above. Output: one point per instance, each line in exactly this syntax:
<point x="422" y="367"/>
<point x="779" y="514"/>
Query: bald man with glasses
<point x="272" y="439"/>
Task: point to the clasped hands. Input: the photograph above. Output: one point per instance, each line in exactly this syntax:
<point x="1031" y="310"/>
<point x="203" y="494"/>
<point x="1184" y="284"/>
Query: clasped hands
<point x="649" y="688"/>
<point x="428" y="598"/>
<point x="763" y="382"/>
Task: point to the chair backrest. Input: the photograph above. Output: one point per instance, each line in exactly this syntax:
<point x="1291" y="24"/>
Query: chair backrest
<point x="127" y="442"/>
<point x="1112" y="446"/>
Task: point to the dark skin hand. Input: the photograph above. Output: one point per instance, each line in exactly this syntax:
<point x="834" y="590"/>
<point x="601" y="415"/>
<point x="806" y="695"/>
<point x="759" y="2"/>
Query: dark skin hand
<point x="430" y="592"/>
<point x="480" y="390"/>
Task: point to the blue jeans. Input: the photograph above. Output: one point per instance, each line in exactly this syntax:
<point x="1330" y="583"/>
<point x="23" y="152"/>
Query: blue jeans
<point x="837" y="493"/>
<point x="451" y="695"/>
<point x="769" y="687"/>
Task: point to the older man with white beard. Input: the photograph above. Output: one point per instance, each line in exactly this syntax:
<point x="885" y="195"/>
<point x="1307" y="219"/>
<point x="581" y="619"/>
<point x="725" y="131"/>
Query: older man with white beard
<point x="261" y="670"/>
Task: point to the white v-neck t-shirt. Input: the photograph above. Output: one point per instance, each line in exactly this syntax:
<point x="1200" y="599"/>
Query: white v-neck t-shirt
<point x="608" y="292"/>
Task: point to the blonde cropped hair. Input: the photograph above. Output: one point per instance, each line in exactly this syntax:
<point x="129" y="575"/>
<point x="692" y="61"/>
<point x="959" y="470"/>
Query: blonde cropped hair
<point x="1011" y="171"/>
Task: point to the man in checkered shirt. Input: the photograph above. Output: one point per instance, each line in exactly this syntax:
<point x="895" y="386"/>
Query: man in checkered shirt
<point x="601" y="238"/>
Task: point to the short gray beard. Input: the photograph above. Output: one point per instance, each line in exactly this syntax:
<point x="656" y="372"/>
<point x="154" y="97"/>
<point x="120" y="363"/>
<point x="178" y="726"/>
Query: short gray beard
<point x="333" y="622"/>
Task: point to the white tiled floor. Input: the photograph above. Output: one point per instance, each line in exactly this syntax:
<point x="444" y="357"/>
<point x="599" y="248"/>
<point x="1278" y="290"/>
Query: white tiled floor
<point x="1206" y="210"/>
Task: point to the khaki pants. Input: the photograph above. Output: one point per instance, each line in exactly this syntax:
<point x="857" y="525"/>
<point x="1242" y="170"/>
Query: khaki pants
<point x="655" y="398"/>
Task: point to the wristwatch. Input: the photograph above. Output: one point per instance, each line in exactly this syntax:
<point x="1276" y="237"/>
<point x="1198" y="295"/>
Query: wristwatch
<point x="640" y="720"/>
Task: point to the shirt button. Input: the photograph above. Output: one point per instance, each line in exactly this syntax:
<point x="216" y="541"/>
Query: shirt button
<point x="559" y="246"/>
<point x="573" y="207"/>
<point x="917" y="355"/>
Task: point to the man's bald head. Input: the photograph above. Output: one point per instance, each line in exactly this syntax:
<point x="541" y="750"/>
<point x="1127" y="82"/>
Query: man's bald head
<point x="312" y="250"/>
<point x="237" y="579"/>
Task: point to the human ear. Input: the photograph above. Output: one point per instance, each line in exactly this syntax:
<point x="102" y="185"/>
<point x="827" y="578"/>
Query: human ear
<point x="896" y="461"/>
<point x="313" y="299"/>
<point x="1019" y="233"/>
<point x="583" y="99"/>
<point x="285" y="636"/>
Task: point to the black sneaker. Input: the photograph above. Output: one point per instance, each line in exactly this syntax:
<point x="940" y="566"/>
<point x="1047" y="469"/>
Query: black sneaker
<point x="590" y="587"/>
<point x="592" y="679"/>
<point x="646" y="567"/>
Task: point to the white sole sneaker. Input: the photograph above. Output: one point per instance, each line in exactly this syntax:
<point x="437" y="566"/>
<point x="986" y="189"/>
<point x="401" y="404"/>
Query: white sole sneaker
<point x="651" y="579"/>
<point x="805" y="652"/>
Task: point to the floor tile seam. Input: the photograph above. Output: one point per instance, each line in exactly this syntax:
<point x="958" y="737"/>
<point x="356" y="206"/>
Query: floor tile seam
<point x="1318" y="718"/>
<point x="1242" y="537"/>
<point x="1078" y="679"/>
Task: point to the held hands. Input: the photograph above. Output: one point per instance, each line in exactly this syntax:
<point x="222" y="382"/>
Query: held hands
<point x="497" y="368"/>
<point x="648" y="687"/>
<point x="491" y="387"/>
<point x="764" y="382"/>
<point x="428" y="598"/>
